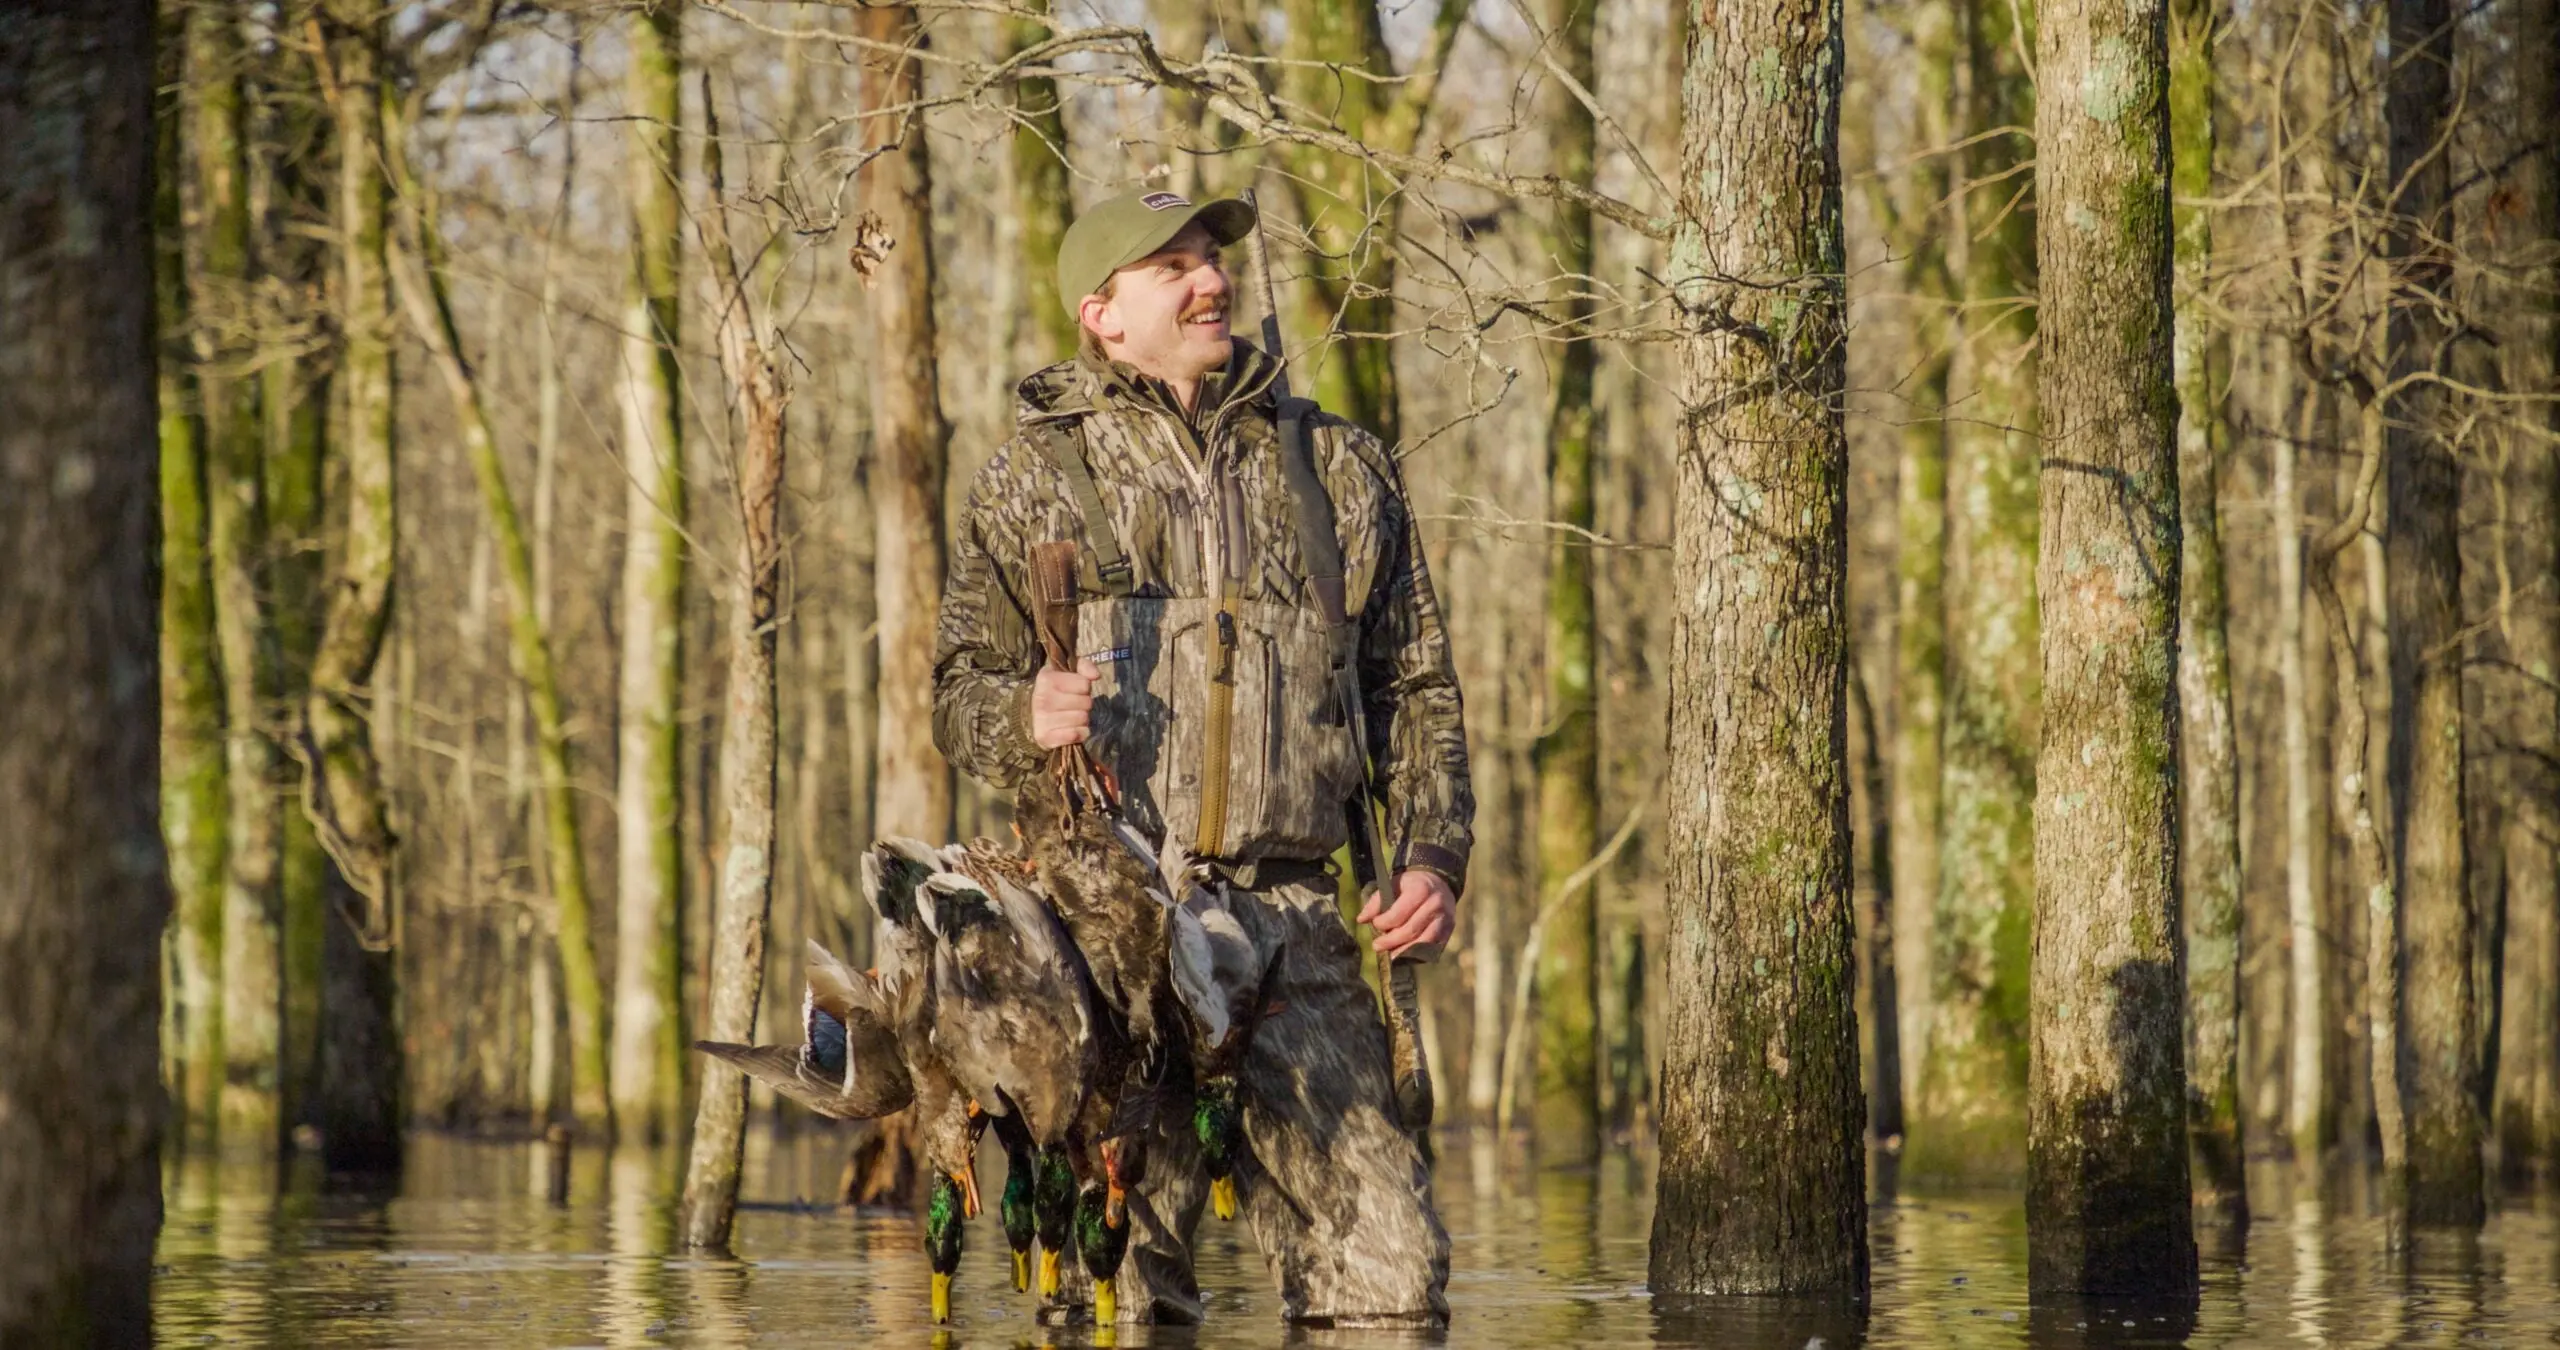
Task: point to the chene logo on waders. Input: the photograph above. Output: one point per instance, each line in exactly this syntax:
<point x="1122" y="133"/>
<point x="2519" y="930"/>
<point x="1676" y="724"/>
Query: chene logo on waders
<point x="1163" y="201"/>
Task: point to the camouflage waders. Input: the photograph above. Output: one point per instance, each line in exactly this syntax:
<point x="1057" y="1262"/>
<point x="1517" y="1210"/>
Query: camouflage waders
<point x="1216" y="715"/>
<point x="1336" y="1194"/>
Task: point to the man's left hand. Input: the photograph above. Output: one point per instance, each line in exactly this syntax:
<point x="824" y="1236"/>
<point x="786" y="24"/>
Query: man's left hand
<point x="1418" y="924"/>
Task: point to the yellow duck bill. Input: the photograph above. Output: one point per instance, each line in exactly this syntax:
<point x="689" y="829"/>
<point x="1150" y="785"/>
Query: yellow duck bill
<point x="1222" y="1197"/>
<point x="941" y="1298"/>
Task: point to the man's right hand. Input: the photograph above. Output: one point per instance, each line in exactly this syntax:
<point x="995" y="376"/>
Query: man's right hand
<point x="1062" y="705"/>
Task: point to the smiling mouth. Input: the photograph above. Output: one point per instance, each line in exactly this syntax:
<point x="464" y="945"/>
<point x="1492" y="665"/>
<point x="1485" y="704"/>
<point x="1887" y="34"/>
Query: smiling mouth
<point x="1202" y="320"/>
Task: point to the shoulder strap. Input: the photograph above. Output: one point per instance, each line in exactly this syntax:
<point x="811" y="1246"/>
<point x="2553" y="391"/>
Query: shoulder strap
<point x="1316" y="537"/>
<point x="1060" y="441"/>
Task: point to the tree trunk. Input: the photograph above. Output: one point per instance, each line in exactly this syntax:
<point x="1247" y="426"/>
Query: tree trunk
<point x="216" y="207"/>
<point x="85" y="891"/>
<point x="1042" y="203"/>
<point x="342" y="779"/>
<point x="1970" y="1118"/>
<point x="2107" y="1188"/>
<point x="1762" y="1187"/>
<point x="2528" y="1091"/>
<point x="2208" y="750"/>
<point x="422" y="295"/>
<point x="2440" y="1062"/>
<point x="2306" y="1117"/>
<point x="648" y="1069"/>
<point x="750" y="758"/>
<point x="908" y="434"/>
<point x="290" y="181"/>
<point x="2353" y="797"/>
<point x="194" y="798"/>
<point x="1571" y="1072"/>
<point x="1932" y="242"/>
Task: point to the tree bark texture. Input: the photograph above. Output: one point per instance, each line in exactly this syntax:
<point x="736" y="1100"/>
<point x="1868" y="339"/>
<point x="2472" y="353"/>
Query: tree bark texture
<point x="1762" y="1187"/>
<point x="909" y="437"/>
<point x="194" y="795"/>
<point x="85" y="891"/>
<point x="2107" y="1178"/>
<point x="1572" y="1081"/>
<point x="750" y="759"/>
<point x="342" y="778"/>
<point x="2440" y="1044"/>
<point x="215" y="218"/>
<point x="2208" y="750"/>
<point x="1970" y="1113"/>
<point x="648" y="1058"/>
<point x="2526" y="710"/>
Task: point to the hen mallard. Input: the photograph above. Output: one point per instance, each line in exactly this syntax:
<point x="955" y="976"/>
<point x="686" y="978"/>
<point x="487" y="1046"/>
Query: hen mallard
<point x="848" y="1065"/>
<point x="1098" y="877"/>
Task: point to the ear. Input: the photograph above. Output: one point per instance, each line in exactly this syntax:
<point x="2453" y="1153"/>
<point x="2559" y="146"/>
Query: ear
<point x="1098" y="317"/>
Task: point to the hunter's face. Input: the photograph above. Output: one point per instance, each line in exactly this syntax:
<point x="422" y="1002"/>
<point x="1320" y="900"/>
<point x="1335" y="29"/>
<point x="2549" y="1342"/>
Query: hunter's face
<point x="1167" y="314"/>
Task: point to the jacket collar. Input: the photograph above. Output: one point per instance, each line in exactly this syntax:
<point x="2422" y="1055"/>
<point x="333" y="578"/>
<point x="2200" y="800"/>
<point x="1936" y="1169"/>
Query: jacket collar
<point x="1077" y="387"/>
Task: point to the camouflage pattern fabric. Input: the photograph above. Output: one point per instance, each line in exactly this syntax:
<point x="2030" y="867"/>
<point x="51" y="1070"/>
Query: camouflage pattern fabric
<point x="1190" y="496"/>
<point x="1337" y="1196"/>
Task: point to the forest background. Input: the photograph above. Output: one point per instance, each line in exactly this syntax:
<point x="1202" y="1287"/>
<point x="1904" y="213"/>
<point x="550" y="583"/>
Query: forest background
<point x="480" y="320"/>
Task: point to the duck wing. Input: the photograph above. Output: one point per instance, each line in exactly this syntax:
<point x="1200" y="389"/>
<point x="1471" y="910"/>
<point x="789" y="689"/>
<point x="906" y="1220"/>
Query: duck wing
<point x="853" y="1027"/>
<point x="844" y="1071"/>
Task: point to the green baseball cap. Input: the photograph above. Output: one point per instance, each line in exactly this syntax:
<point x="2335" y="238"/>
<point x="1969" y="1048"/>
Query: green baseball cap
<point x="1126" y="228"/>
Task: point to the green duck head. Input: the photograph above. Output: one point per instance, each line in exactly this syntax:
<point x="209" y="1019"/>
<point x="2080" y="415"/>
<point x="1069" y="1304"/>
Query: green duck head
<point x="1053" y="1212"/>
<point x="942" y="1229"/>
<point x="1102" y="1244"/>
<point x="1217" y="1121"/>
<point x="1015" y="1208"/>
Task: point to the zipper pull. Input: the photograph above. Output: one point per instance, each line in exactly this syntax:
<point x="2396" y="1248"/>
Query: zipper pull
<point x="1226" y="645"/>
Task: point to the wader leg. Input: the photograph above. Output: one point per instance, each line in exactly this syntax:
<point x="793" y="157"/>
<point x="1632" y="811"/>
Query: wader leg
<point x="1337" y="1194"/>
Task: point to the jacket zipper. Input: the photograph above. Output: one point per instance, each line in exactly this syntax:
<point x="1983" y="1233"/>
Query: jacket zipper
<point x="1218" y="735"/>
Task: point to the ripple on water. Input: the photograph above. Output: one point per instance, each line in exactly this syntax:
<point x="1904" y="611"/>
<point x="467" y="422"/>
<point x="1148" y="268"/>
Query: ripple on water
<point x="468" y="1253"/>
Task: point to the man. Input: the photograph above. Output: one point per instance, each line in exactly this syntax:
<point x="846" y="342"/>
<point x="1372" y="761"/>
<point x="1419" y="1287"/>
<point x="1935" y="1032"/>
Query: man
<point x="1203" y="687"/>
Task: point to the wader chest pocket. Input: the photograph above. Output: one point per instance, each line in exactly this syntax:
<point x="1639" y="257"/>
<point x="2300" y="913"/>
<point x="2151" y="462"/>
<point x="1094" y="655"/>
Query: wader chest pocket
<point x="1288" y="761"/>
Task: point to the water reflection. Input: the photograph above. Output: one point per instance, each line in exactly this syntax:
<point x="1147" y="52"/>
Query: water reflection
<point x="468" y="1253"/>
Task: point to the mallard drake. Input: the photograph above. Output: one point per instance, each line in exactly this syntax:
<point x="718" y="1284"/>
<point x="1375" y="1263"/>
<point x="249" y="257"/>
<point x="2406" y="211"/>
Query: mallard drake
<point x="1102" y="1232"/>
<point x="1010" y="1017"/>
<point x="893" y="874"/>
<point x="1053" y="1213"/>
<point x="1015" y="1207"/>
<point x="848" y="1065"/>
<point x="943" y="1211"/>
<point x="1224" y="993"/>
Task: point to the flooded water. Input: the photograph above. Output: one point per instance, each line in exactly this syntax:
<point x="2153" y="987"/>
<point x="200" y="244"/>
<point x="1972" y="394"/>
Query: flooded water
<point x="470" y="1252"/>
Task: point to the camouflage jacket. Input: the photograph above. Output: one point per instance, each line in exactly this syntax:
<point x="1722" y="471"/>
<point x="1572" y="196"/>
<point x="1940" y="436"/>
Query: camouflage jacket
<point x="1201" y="508"/>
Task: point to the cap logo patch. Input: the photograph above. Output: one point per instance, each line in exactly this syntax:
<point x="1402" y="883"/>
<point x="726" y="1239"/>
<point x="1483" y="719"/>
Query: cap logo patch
<point x="1163" y="201"/>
